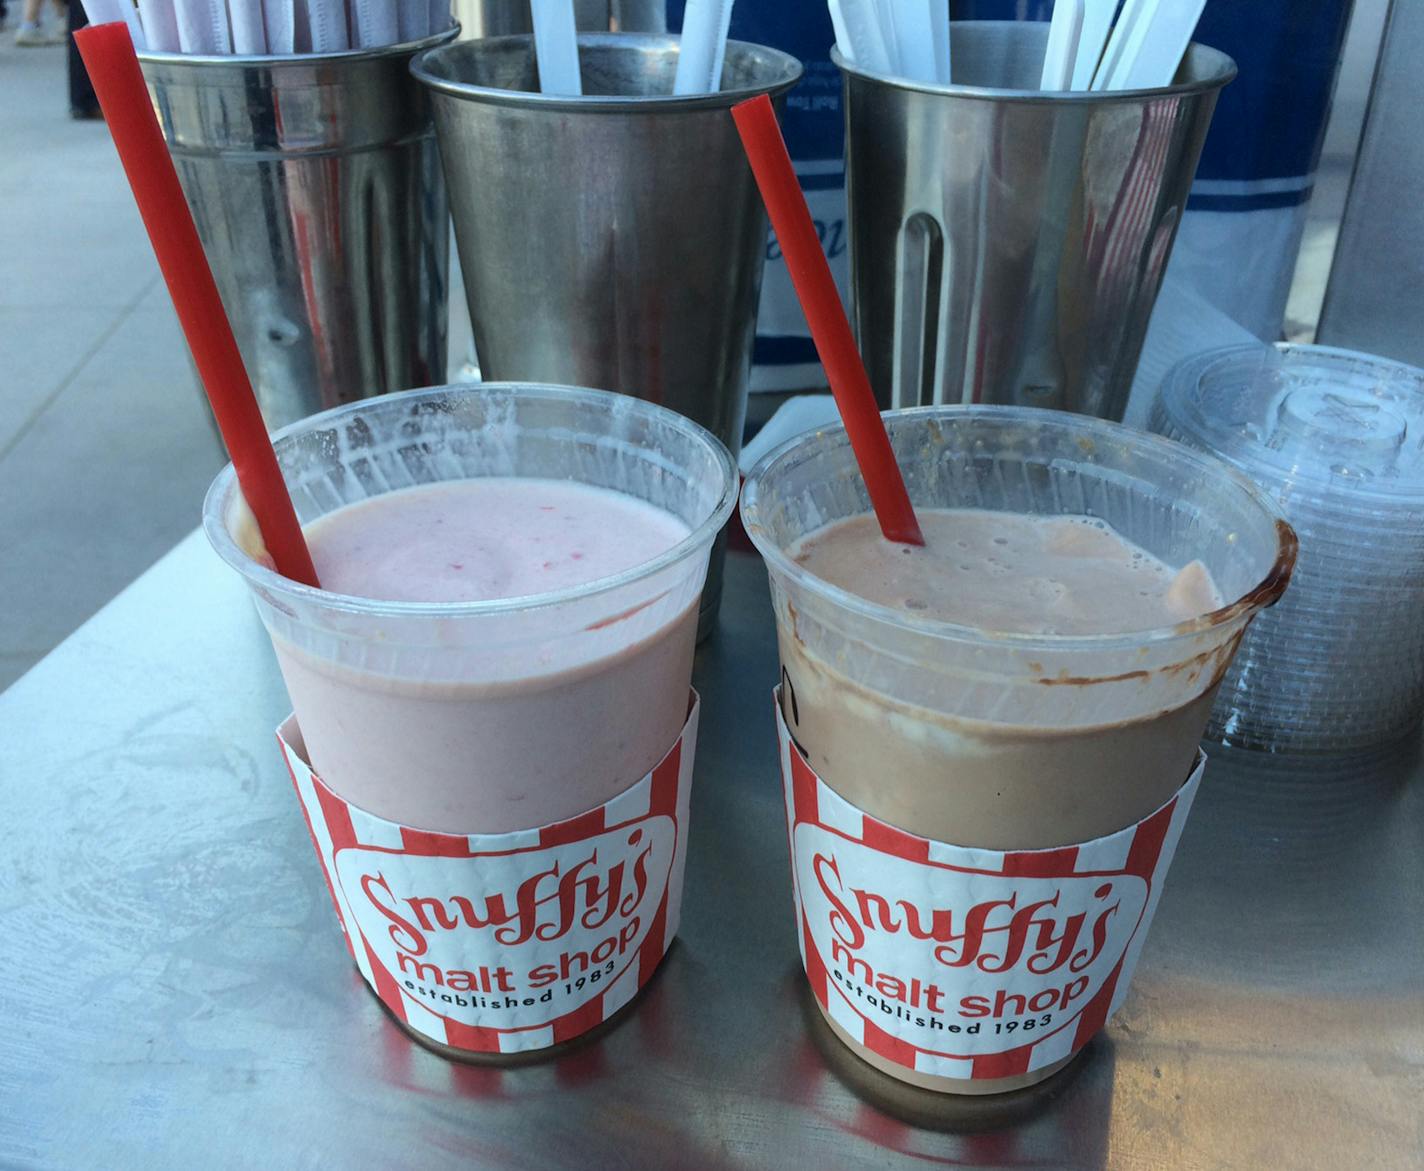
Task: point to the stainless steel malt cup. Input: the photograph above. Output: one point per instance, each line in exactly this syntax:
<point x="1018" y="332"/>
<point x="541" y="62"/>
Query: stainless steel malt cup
<point x="1007" y="245"/>
<point x="614" y="240"/>
<point x="316" y="186"/>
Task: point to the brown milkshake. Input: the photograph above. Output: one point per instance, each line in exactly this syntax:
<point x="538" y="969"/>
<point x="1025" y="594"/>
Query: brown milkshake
<point x="976" y="781"/>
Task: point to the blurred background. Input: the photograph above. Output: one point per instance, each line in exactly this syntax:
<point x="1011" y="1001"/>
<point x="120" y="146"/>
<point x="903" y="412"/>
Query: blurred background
<point x="105" y="445"/>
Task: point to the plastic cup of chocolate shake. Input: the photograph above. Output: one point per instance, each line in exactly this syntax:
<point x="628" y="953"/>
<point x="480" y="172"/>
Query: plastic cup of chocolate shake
<point x="990" y="742"/>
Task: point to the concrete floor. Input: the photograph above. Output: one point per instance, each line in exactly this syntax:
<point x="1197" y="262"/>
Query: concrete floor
<point x="105" y="445"/>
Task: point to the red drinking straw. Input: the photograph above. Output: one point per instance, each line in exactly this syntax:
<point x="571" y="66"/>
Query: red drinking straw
<point x="816" y="289"/>
<point x="108" y="54"/>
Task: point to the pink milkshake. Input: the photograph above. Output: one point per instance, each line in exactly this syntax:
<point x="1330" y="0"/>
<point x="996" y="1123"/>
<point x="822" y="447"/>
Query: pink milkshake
<point x="511" y="578"/>
<point x="516" y="745"/>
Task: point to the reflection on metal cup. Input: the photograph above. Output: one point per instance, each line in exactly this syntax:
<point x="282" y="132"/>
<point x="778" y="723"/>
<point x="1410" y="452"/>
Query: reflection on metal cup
<point x="614" y="240"/>
<point x="316" y="187"/>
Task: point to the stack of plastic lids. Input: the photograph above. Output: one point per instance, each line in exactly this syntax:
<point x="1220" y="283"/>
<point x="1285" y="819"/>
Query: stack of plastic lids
<point x="1338" y="439"/>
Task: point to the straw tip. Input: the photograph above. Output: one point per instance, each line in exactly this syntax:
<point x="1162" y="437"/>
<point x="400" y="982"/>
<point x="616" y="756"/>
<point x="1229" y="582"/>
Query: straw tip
<point x="905" y="533"/>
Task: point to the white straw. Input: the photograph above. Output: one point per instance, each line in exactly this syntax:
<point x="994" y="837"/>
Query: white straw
<point x="703" y="46"/>
<point x="373" y="23"/>
<point x="912" y="33"/>
<point x="1122" y="33"/>
<point x="885" y="19"/>
<point x="109" y="11"/>
<point x="1062" y="52"/>
<point x="202" y="27"/>
<point x="279" y="19"/>
<point x="1133" y="45"/>
<point x="939" y="20"/>
<point x="102" y="11"/>
<point x="1165" y="39"/>
<point x="160" y="25"/>
<point x="838" y="23"/>
<point x="556" y="46"/>
<point x="1097" y="24"/>
<point x="248" y="35"/>
<point x="865" y="37"/>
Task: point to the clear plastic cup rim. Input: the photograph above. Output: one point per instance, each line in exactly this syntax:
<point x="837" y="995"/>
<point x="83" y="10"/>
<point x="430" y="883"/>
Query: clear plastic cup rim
<point x="223" y="494"/>
<point x="1264" y="593"/>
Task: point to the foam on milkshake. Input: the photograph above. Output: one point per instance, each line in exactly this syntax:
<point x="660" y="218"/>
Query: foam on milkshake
<point x="1012" y="573"/>
<point x="523" y="737"/>
<point x="1015" y="780"/>
<point x="480" y="539"/>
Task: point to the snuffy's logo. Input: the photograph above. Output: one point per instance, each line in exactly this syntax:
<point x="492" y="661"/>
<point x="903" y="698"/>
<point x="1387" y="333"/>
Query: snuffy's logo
<point x="530" y="929"/>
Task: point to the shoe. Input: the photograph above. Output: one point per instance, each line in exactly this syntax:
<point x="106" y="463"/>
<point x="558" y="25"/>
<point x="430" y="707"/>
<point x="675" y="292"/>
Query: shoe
<point x="27" y="36"/>
<point x="59" y="34"/>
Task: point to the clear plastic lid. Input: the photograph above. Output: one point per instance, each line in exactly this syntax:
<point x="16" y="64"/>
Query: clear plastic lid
<point x="1312" y="414"/>
<point x="1337" y="439"/>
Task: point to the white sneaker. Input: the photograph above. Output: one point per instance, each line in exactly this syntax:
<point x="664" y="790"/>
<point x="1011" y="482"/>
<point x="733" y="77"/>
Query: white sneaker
<point x="29" y="35"/>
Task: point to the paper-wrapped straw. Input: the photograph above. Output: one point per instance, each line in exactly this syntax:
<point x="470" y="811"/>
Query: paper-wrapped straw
<point x="326" y="26"/>
<point x="703" y="46"/>
<point x="109" y="57"/>
<point x="556" y="46"/>
<point x="374" y="23"/>
<point x="160" y="25"/>
<point x="107" y="11"/>
<point x="821" y="302"/>
<point x="413" y="20"/>
<point x="279" y="19"/>
<point x="440" y="17"/>
<point x="249" y="36"/>
<point x="203" y="27"/>
<point x="277" y="27"/>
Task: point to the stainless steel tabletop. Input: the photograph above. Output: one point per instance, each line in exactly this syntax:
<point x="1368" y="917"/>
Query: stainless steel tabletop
<point x="174" y="990"/>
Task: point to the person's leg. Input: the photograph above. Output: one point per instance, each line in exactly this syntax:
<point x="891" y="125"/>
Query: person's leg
<point x="29" y="31"/>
